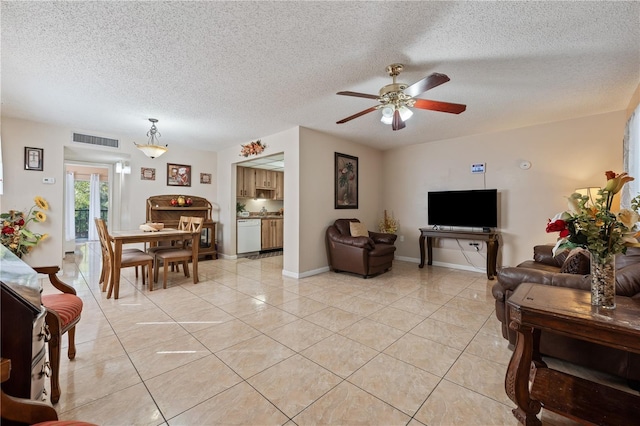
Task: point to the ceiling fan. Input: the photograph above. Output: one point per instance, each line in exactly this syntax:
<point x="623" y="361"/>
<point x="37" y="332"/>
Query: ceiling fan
<point x="396" y="99"/>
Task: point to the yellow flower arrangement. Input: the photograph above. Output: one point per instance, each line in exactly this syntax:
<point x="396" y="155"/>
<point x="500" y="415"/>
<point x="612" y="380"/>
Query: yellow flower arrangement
<point x="15" y="235"/>
<point x="388" y="224"/>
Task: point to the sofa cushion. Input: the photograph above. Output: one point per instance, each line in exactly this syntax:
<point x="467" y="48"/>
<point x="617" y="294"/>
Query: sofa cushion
<point x="358" y="229"/>
<point x="578" y="262"/>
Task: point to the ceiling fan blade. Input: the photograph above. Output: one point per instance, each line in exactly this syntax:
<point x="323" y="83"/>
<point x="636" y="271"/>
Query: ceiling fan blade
<point x="358" y="95"/>
<point x="366" y="111"/>
<point x="439" y="106"/>
<point x="397" y="123"/>
<point x="425" y="84"/>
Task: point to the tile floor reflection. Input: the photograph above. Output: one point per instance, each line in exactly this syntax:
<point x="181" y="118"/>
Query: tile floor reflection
<point x="248" y="346"/>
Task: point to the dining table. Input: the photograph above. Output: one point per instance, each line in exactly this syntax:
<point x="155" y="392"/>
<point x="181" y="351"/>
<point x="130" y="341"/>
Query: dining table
<point x="119" y="238"/>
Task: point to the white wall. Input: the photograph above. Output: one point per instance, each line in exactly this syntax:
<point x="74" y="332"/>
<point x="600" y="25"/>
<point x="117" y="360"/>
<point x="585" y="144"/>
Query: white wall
<point x="317" y="192"/>
<point x="20" y="186"/>
<point x="564" y="156"/>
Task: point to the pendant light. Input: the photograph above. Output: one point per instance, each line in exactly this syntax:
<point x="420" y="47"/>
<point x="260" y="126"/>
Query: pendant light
<point x="152" y="148"/>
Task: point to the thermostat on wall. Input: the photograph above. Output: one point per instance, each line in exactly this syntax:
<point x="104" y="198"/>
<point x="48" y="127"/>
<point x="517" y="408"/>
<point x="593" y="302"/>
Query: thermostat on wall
<point x="49" y="180"/>
<point x="477" y="168"/>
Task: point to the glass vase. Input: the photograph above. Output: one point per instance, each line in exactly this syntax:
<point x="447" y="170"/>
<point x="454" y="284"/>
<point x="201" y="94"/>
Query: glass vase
<point x="603" y="281"/>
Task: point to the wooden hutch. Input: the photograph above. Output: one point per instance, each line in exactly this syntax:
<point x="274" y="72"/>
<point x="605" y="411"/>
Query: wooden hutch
<point x="159" y="209"/>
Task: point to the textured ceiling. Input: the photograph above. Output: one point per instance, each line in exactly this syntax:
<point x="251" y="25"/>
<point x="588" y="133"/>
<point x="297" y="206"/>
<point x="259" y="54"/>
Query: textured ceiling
<point x="218" y="74"/>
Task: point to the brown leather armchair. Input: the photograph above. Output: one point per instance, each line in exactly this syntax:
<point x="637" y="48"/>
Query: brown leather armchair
<point x="545" y="269"/>
<point x="365" y="256"/>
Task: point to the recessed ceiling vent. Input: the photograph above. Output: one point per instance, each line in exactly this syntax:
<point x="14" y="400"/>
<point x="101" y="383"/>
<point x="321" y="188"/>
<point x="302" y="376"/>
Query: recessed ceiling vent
<point x="96" y="140"/>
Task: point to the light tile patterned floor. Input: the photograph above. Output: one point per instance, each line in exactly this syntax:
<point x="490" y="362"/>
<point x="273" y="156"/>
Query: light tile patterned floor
<point x="248" y="346"/>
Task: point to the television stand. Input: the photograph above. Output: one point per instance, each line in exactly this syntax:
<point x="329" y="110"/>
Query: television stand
<point x="490" y="237"/>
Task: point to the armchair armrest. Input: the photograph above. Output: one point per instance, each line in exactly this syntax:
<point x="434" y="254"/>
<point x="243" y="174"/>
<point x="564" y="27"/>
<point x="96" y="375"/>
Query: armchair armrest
<point x="382" y="238"/>
<point x="51" y="271"/>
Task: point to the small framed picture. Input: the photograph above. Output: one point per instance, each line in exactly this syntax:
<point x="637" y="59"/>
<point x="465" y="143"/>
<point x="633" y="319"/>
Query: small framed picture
<point x="147" y="173"/>
<point x="33" y="158"/>
<point x="178" y="175"/>
<point x="205" y="178"/>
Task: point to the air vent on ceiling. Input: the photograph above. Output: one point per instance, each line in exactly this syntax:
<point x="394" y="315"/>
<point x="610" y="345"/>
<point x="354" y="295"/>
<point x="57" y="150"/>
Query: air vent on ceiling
<point x="95" y="140"/>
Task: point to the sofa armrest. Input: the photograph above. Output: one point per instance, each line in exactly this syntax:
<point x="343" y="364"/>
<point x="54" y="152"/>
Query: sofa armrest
<point x="511" y="278"/>
<point x="382" y="238"/>
<point x="544" y="254"/>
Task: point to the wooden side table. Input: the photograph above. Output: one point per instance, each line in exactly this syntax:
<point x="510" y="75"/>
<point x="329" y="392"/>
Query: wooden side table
<point x="490" y="237"/>
<point x="567" y="311"/>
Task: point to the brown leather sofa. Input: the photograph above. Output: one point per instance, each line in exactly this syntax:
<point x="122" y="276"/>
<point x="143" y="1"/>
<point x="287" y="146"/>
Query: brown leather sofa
<point x="545" y="269"/>
<point x="365" y="256"/>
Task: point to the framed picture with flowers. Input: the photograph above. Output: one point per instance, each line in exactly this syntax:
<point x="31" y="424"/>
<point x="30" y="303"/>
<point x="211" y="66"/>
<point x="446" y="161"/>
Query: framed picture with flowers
<point x="346" y="181"/>
<point x="33" y="159"/>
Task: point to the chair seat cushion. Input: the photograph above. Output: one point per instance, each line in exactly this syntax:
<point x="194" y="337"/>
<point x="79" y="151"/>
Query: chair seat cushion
<point x="68" y="306"/>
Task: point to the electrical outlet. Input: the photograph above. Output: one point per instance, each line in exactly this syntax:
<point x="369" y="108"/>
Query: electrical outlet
<point x="401" y="238"/>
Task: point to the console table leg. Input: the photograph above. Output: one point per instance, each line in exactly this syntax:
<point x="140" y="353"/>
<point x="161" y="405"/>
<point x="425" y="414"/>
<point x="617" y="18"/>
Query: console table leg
<point x="492" y="258"/>
<point x="421" y="243"/>
<point x="517" y="379"/>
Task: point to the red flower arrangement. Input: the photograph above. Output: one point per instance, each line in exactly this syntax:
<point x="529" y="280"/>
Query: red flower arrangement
<point x="253" y="148"/>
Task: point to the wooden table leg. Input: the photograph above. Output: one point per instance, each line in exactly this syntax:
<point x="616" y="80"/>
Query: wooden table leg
<point x="429" y="250"/>
<point x="195" y="246"/>
<point x="517" y="378"/>
<point x="421" y="243"/>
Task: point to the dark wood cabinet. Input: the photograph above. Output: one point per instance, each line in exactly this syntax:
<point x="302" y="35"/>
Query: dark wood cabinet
<point x="159" y="209"/>
<point x="23" y="327"/>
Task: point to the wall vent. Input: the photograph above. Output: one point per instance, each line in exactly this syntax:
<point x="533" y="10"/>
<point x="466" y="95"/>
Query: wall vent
<point x="96" y="140"/>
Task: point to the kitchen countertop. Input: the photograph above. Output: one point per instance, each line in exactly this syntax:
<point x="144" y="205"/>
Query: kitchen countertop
<point x="267" y="216"/>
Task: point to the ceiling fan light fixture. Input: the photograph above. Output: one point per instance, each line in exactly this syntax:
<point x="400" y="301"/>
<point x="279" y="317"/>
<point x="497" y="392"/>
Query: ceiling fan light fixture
<point x="387" y="114"/>
<point x="405" y="113"/>
<point x="152" y="148"/>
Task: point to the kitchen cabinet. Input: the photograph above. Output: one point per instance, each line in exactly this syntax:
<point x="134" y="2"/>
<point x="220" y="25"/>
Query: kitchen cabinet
<point x="279" y="188"/>
<point x="159" y="209"/>
<point x="265" y="179"/>
<point x="272" y="233"/>
<point x="245" y="182"/>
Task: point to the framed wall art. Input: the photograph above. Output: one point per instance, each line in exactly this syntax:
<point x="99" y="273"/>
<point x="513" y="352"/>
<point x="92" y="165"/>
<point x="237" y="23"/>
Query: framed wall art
<point x="147" y="173"/>
<point x="33" y="158"/>
<point x="178" y="175"/>
<point x="205" y="178"/>
<point x="346" y="181"/>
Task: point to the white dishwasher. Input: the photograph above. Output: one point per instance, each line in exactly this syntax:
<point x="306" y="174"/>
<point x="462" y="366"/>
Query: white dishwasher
<point x="249" y="235"/>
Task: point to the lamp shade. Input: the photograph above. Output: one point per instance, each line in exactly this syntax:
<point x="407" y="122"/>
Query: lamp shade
<point x="387" y="114"/>
<point x="152" y="151"/>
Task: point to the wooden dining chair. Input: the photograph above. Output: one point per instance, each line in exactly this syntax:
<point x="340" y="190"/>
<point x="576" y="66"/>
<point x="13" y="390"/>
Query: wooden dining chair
<point x="105" y="272"/>
<point x="183" y="225"/>
<point x="63" y="313"/>
<point x="130" y="258"/>
<point x="179" y="254"/>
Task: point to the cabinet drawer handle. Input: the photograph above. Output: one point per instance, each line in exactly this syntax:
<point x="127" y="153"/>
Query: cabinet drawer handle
<point x="46" y="370"/>
<point x="44" y="333"/>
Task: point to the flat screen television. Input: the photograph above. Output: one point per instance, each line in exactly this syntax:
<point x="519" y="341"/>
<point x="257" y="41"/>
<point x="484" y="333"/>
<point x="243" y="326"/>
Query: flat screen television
<point x="476" y="208"/>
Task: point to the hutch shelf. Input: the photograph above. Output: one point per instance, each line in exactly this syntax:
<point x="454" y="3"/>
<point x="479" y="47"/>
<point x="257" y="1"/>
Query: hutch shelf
<point x="159" y="209"/>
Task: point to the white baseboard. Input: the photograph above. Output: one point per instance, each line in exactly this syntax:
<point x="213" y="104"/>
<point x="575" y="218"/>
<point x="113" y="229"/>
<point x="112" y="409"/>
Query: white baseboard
<point x="306" y="273"/>
<point x="228" y="256"/>
<point x="443" y="264"/>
